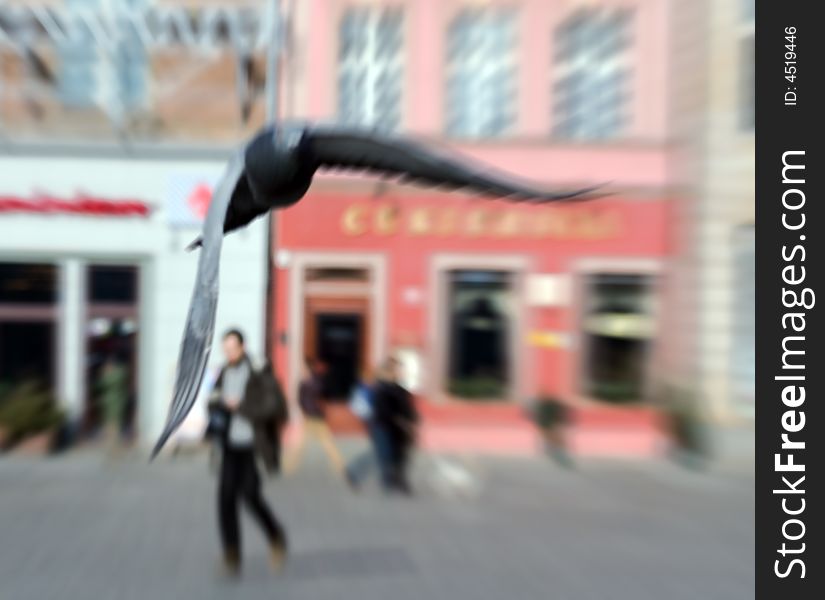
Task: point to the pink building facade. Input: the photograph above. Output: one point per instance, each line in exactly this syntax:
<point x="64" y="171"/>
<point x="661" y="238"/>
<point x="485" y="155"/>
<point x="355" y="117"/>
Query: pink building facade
<point x="394" y="268"/>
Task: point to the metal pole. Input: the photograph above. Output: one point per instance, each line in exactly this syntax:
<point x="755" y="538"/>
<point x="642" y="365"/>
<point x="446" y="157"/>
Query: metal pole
<point x="273" y="56"/>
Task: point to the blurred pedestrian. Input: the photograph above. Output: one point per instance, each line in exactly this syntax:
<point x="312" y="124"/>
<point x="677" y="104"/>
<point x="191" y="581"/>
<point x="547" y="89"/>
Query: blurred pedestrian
<point x="314" y="425"/>
<point x="377" y="455"/>
<point x="396" y="414"/>
<point x="553" y="417"/>
<point x="113" y="390"/>
<point x="252" y="404"/>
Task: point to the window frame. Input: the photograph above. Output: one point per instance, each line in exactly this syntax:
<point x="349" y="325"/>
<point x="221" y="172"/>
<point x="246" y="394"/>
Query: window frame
<point x="511" y="62"/>
<point x="565" y="69"/>
<point x="374" y="12"/>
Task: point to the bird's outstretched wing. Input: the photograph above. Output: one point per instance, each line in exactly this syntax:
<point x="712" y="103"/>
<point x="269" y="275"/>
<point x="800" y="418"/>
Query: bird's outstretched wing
<point x="413" y="162"/>
<point x="200" y="323"/>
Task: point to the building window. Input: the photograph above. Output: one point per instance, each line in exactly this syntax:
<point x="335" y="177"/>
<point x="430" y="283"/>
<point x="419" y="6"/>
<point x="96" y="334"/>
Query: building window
<point x="370" y="67"/>
<point x="113" y="284"/>
<point x="26" y="354"/>
<point x="78" y="77"/>
<point x="748" y="90"/>
<point x="481" y="73"/>
<point x="617" y="328"/>
<point x="480" y="303"/>
<point x="131" y="68"/>
<point x="744" y="319"/>
<point x="747" y="67"/>
<point x="89" y="76"/>
<point x="592" y="74"/>
<point x="337" y="275"/>
<point x="748" y="10"/>
<point x="28" y="317"/>
<point x="28" y="283"/>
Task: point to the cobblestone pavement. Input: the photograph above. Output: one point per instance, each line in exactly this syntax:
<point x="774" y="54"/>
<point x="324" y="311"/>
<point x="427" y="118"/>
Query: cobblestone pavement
<point x="79" y="527"/>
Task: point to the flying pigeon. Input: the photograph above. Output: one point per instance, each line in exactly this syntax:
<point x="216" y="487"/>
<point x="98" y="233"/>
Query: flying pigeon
<point x="274" y="170"/>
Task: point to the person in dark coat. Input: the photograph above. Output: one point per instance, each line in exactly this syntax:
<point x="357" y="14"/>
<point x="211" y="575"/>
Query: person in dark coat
<point x="253" y="410"/>
<point x="395" y="413"/>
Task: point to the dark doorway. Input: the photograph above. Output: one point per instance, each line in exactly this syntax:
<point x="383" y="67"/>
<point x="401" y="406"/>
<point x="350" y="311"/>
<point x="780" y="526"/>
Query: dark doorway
<point x="479" y="363"/>
<point x="112" y="298"/>
<point x="339" y="347"/>
<point x="111" y="339"/>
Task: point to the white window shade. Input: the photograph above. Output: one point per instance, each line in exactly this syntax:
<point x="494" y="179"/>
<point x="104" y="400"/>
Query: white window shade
<point x="591" y="74"/>
<point x="370" y="67"/>
<point x="481" y="73"/>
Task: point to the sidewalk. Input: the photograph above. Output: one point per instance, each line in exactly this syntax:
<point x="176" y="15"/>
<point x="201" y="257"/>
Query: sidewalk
<point x="76" y="527"/>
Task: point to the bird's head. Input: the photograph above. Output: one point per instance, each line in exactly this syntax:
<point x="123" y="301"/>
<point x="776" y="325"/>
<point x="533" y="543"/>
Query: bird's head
<point x="277" y="170"/>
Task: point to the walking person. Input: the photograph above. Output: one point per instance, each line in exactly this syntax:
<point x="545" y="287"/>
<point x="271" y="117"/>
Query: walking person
<point x="315" y="425"/>
<point x="113" y="386"/>
<point x="377" y="455"/>
<point x="395" y="412"/>
<point x="252" y="407"/>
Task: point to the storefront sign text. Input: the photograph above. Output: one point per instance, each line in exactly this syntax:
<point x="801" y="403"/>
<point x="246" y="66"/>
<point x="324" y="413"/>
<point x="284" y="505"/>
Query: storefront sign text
<point x="387" y="219"/>
<point x="81" y="204"/>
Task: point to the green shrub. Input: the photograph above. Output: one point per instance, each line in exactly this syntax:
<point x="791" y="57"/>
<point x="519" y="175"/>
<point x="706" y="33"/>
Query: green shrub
<point x="688" y="426"/>
<point x="549" y="412"/>
<point x="5" y="388"/>
<point x="28" y="408"/>
<point x="617" y="392"/>
<point x="477" y="388"/>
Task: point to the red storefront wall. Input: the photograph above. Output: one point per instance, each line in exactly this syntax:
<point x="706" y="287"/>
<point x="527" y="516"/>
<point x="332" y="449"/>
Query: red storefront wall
<point x="409" y="229"/>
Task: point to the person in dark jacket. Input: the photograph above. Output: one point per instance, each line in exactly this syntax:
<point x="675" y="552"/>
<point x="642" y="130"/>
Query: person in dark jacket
<point x="315" y="425"/>
<point x="254" y="408"/>
<point x="395" y="413"/>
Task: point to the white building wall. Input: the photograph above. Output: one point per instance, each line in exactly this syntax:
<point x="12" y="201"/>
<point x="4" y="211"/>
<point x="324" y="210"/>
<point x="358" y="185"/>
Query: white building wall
<point x="714" y="163"/>
<point x="727" y="202"/>
<point x="167" y="271"/>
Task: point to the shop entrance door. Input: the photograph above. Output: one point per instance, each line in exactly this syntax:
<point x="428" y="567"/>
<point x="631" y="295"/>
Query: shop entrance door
<point x="337" y="335"/>
<point x="111" y="347"/>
